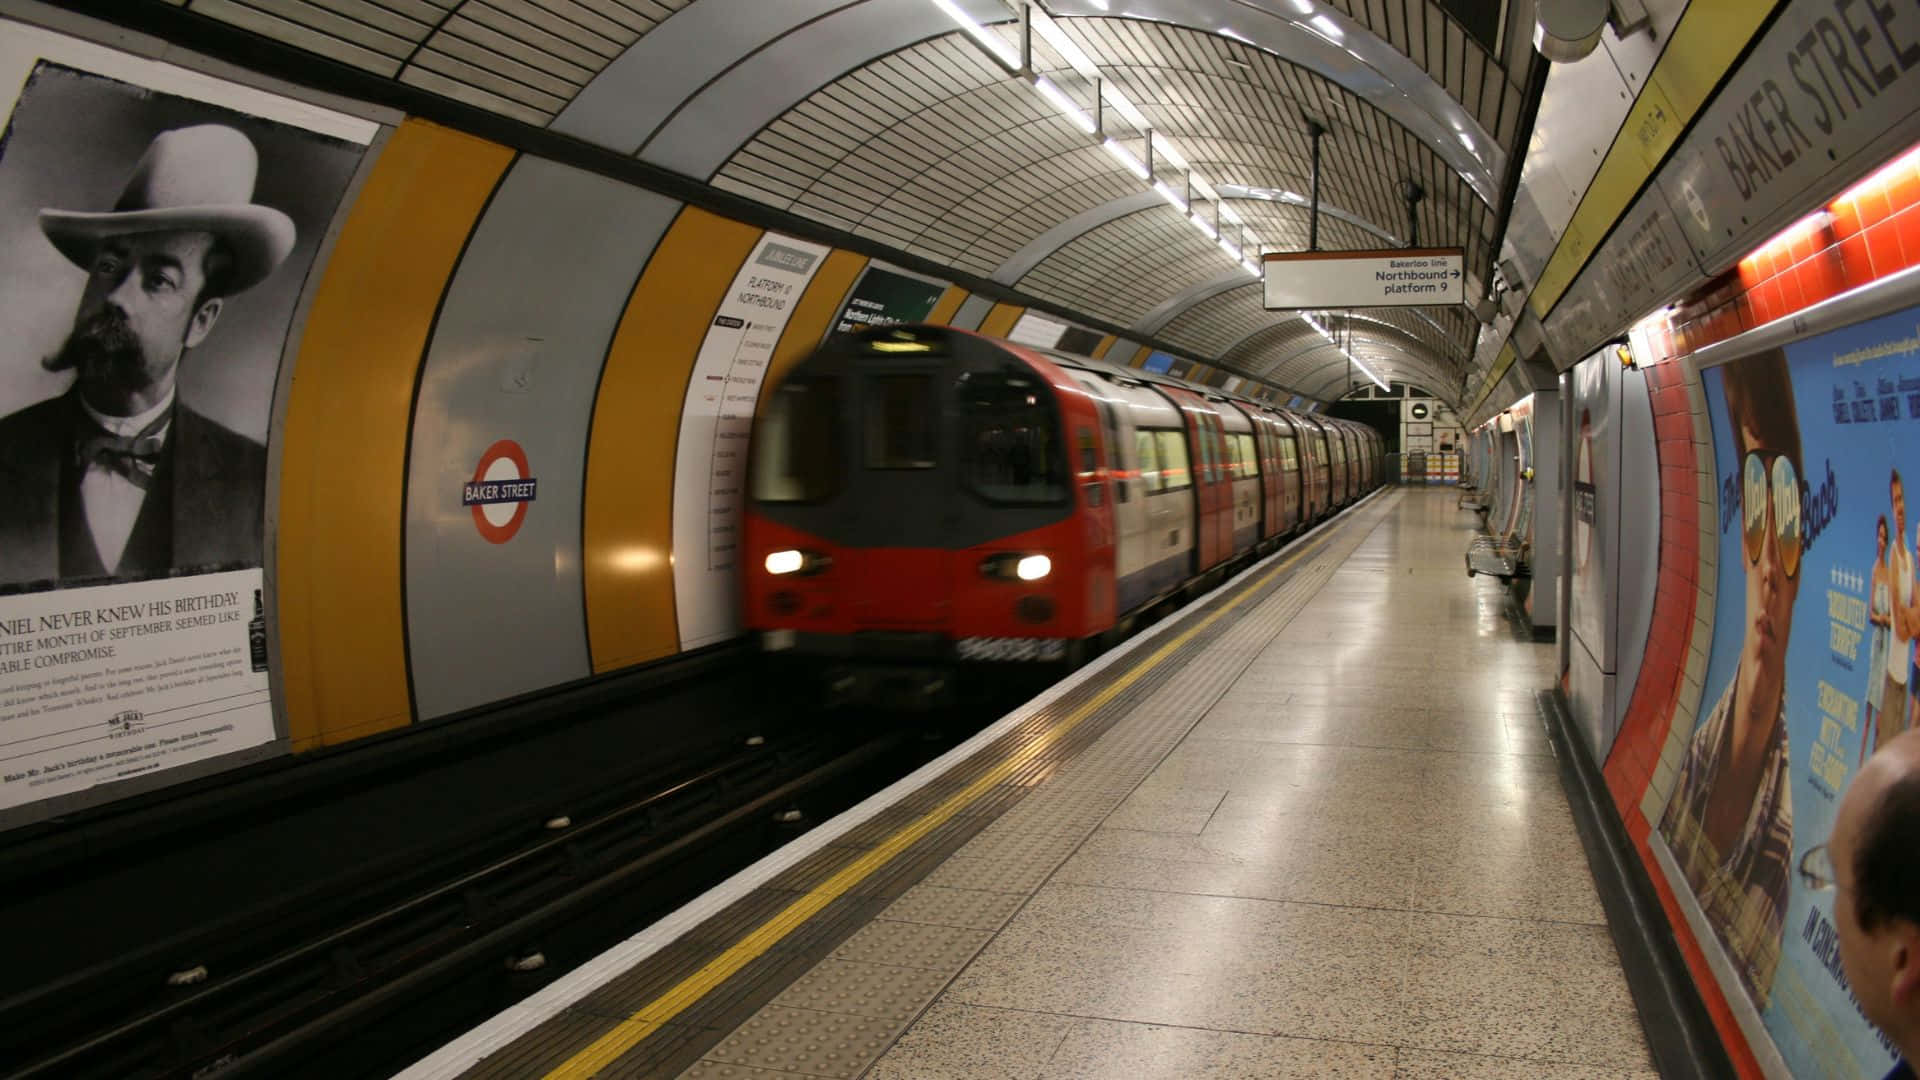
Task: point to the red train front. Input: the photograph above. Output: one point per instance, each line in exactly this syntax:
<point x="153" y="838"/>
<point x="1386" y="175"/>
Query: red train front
<point x="912" y="498"/>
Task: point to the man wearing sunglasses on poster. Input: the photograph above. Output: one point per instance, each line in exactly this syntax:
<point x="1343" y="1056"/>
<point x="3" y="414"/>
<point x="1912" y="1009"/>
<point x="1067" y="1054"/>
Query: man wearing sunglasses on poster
<point x="1872" y="864"/>
<point x="1730" y="823"/>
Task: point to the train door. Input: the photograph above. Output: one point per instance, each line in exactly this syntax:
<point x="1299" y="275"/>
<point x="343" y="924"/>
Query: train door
<point x="1267" y="449"/>
<point x="1128" y="500"/>
<point x="1313" y="490"/>
<point x="1240" y="470"/>
<point x="1093" y="452"/>
<point x="1210" y="497"/>
<point x="1354" y="461"/>
<point x="1293" y="502"/>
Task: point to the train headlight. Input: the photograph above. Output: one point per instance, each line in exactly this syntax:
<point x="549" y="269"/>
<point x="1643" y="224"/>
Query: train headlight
<point x="1014" y="566"/>
<point x="781" y="563"/>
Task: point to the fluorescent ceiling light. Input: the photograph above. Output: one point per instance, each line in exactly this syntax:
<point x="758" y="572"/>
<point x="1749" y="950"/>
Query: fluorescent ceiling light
<point x="1125" y="157"/>
<point x="1164" y="147"/>
<point x="1062" y="44"/>
<point x="1065" y="104"/>
<point x="1201" y="224"/>
<point x="1230" y="214"/>
<point x="992" y="42"/>
<point x="1232" y="249"/>
<point x="1368" y="372"/>
<point x="1250" y="267"/>
<point x="1168" y="194"/>
<point x="1121" y="105"/>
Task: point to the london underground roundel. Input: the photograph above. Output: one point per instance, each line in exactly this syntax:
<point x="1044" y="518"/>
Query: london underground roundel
<point x="499" y="492"/>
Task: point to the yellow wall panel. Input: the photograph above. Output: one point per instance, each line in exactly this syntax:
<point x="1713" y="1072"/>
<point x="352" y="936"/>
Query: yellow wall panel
<point x="811" y="316"/>
<point x="627" y="536"/>
<point x="1100" y="350"/>
<point x="1001" y="319"/>
<point x="949" y="302"/>
<point x="338" y="558"/>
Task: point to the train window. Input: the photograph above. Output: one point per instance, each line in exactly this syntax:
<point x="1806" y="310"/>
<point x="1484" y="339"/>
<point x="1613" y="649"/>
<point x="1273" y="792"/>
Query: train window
<point x="900" y="422"/>
<point x="1009" y="437"/>
<point x="796" y="452"/>
<point x="1172" y="446"/>
<point x="1144" y="448"/>
<point x="1245" y="466"/>
<point x="1289" y="454"/>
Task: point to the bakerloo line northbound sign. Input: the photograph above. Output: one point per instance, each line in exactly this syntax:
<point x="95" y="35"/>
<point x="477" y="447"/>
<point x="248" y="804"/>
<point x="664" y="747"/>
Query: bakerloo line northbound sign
<point x="1400" y="277"/>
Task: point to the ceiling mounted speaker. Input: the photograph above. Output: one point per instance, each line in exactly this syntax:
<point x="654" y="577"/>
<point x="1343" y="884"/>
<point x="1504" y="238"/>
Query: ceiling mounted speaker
<point x="1566" y="30"/>
<point x="1485" y="309"/>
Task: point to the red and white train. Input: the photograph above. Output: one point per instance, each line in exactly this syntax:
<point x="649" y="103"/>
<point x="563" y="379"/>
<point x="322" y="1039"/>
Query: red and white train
<point x="924" y="497"/>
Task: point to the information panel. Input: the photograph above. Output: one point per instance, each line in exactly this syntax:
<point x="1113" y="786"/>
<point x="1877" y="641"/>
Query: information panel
<point x="885" y="297"/>
<point x="710" y="465"/>
<point x="1410" y="277"/>
<point x="1816" y="456"/>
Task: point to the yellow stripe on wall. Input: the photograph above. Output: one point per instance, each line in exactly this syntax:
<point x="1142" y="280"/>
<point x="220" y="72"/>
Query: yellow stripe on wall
<point x="627" y="534"/>
<point x="811" y="316"/>
<point x="1001" y="319"/>
<point x="949" y="302"/>
<point x="1705" y="43"/>
<point x="1100" y="350"/>
<point x="338" y="557"/>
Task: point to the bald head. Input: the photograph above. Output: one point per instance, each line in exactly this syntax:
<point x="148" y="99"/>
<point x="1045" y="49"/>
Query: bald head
<point x="1876" y="859"/>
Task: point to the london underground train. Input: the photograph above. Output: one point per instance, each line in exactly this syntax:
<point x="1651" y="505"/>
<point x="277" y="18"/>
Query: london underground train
<point x="926" y="500"/>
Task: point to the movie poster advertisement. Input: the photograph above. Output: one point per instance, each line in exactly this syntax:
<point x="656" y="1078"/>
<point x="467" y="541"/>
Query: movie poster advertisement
<point x="159" y="226"/>
<point x="1813" y="664"/>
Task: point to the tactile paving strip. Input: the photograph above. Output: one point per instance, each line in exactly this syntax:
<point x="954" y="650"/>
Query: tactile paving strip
<point x="837" y="989"/>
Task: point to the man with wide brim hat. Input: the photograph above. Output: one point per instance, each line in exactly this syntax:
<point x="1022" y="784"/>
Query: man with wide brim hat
<point x="116" y="479"/>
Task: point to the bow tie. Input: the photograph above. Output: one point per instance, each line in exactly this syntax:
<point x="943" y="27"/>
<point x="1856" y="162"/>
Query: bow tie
<point x="134" y="457"/>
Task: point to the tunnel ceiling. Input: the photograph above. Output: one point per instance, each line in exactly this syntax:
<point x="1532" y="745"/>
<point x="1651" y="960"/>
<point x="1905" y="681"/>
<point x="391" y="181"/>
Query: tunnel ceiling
<point x="891" y="120"/>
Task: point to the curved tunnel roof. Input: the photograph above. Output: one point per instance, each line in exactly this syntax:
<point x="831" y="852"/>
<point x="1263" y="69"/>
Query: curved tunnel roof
<point x="895" y="121"/>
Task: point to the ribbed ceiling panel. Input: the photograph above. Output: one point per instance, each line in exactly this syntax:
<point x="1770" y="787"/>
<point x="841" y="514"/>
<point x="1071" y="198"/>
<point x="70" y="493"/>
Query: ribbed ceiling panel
<point x="520" y="58"/>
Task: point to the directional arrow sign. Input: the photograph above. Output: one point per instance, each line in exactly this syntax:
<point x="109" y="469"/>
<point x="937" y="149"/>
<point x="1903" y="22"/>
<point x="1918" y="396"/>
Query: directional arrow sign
<point x="1403" y="277"/>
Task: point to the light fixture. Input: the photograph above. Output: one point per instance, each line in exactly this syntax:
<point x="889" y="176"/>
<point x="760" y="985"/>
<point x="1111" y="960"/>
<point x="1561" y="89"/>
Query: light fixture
<point x="1002" y="50"/>
<point x="1169" y="194"/>
<point x="1033" y="568"/>
<point x="1051" y="32"/>
<point x="1125" y="157"/>
<point x="785" y="562"/>
<point x="1065" y="104"/>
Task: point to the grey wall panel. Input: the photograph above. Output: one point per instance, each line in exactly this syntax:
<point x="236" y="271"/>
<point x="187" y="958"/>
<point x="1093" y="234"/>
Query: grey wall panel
<point x="1639" y="530"/>
<point x="1037" y="249"/>
<point x="973" y="310"/>
<point x="1123" y="352"/>
<point x="1591" y="698"/>
<point x="1169" y="309"/>
<point x="1593" y="546"/>
<point x="631" y="97"/>
<point x="734" y="106"/>
<point x="1548" y="546"/>
<point x="516" y="354"/>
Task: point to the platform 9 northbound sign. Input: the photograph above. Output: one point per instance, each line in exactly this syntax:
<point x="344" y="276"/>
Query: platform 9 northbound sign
<point x="1404" y="277"/>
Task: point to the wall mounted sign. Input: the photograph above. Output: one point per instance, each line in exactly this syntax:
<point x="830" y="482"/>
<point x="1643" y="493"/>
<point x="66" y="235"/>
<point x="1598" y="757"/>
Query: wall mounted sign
<point x="499" y="492"/>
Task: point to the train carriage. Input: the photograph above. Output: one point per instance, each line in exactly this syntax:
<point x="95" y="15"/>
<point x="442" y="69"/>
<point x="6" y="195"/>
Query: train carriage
<point x="924" y="497"/>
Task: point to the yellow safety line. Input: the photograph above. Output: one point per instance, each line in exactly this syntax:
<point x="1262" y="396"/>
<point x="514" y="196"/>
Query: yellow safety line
<point x="656" y="1013"/>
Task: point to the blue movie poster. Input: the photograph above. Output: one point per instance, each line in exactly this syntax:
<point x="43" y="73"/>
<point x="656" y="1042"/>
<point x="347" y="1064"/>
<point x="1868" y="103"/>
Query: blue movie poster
<point x="1813" y="665"/>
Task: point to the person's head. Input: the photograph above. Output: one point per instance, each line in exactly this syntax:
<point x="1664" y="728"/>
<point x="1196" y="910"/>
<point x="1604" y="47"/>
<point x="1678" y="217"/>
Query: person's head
<point x="1766" y="442"/>
<point x="184" y="235"/>
<point x="149" y="297"/>
<point x="1897" y="491"/>
<point x="1880" y="538"/>
<point x="1875" y="849"/>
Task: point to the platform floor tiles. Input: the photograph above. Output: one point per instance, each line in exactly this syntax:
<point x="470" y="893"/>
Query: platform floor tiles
<point x="1358" y="862"/>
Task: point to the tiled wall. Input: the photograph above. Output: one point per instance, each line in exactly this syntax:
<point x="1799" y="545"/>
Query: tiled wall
<point x="1870" y="231"/>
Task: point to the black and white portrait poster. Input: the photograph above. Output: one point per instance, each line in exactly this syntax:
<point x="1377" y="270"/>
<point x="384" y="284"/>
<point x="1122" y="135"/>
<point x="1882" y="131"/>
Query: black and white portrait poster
<point x="157" y="228"/>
